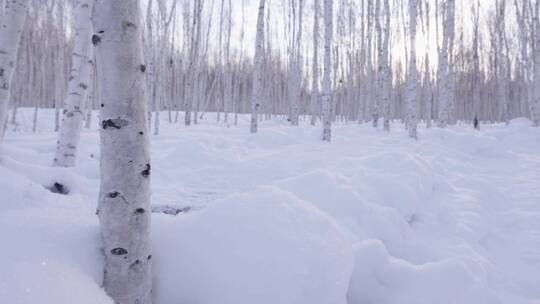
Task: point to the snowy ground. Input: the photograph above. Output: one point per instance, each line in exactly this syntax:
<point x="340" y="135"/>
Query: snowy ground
<point x="280" y="217"/>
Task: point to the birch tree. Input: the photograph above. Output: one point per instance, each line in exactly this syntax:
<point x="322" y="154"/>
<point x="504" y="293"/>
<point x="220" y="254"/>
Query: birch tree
<point x="70" y="129"/>
<point x="11" y="27"/>
<point x="445" y="70"/>
<point x="296" y="66"/>
<point x="386" y="81"/>
<point x="412" y="81"/>
<point x="193" y="61"/>
<point x="502" y="67"/>
<point x="327" y="73"/>
<point x="315" y="95"/>
<point x="535" y="104"/>
<point x="124" y="198"/>
<point x="256" y="94"/>
<point x="476" y="63"/>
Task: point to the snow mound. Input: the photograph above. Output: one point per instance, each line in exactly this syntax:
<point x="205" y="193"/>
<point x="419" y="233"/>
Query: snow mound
<point x="333" y="195"/>
<point x="49" y="283"/>
<point x="265" y="246"/>
<point x="379" y="278"/>
<point x="50" y="246"/>
<point x="521" y="121"/>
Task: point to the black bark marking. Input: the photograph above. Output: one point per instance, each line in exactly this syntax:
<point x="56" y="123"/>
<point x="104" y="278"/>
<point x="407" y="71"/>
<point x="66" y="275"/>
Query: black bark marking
<point x="83" y="86"/>
<point x="58" y="188"/>
<point x="128" y="24"/>
<point x="101" y="32"/>
<point x="2" y="72"/>
<point x="116" y="123"/>
<point x="141" y="133"/>
<point x="143" y="68"/>
<point x="146" y="172"/>
<point x="149" y="257"/>
<point x="96" y="40"/>
<point x="102" y="105"/>
<point x="119" y="251"/>
<point x="113" y="194"/>
<point x="137" y="262"/>
<point x="139" y="210"/>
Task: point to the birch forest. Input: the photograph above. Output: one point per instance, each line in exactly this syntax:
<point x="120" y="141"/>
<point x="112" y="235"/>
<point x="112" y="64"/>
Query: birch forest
<point x="270" y="151"/>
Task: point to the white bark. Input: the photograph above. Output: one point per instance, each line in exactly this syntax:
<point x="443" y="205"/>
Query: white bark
<point x="446" y="95"/>
<point x="11" y="27"/>
<point x="380" y="54"/>
<point x="327" y="74"/>
<point x="502" y="79"/>
<point x="256" y="94"/>
<point x="90" y="95"/>
<point x="193" y="60"/>
<point x="296" y="69"/>
<point x="315" y="94"/>
<point x="124" y="199"/>
<point x="535" y="103"/>
<point x="386" y="80"/>
<point x="70" y="129"/>
<point x="476" y="63"/>
<point x="412" y="79"/>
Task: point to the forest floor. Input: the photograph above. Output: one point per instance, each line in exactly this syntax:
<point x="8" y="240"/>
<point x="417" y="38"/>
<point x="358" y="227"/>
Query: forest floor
<point x="281" y="217"/>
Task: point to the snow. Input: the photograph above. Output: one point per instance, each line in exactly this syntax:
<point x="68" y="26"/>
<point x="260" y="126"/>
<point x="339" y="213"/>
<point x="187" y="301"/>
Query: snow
<point x="263" y="246"/>
<point x="281" y="217"/>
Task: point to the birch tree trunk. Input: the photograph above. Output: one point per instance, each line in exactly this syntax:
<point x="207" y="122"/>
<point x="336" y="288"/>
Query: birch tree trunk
<point x="193" y="61"/>
<point x="124" y="198"/>
<point x="11" y="27"/>
<point x="256" y="94"/>
<point x="476" y="63"/>
<point x="379" y="76"/>
<point x="315" y="96"/>
<point x="296" y="67"/>
<point x="412" y="79"/>
<point x="327" y="74"/>
<point x="446" y="95"/>
<point x="502" y="89"/>
<point x="386" y="70"/>
<point x="70" y="129"/>
<point x="535" y="103"/>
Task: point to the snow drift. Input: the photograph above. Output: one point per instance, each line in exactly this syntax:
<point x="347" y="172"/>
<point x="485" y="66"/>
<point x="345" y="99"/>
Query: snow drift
<point x="280" y="217"/>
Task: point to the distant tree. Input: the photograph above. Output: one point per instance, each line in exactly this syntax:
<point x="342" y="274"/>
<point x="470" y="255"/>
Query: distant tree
<point x="445" y="72"/>
<point x="327" y="67"/>
<point x="315" y="93"/>
<point x="535" y="104"/>
<point x="256" y="96"/>
<point x="412" y="78"/>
